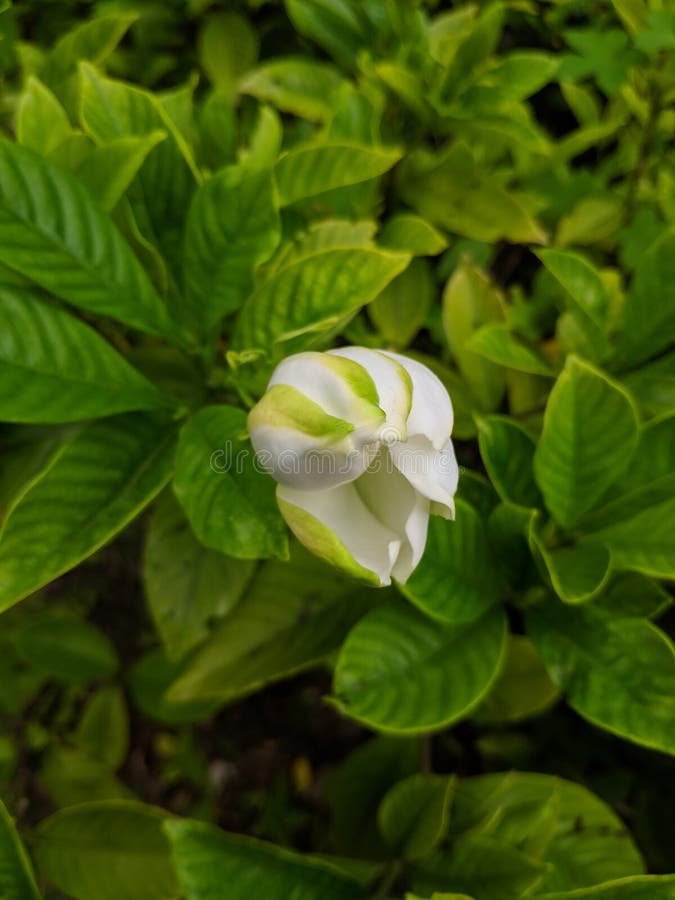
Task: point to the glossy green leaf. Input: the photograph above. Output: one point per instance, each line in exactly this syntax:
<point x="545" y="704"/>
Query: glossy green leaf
<point x="189" y="587"/>
<point x="481" y="867"/>
<point x="469" y="301"/>
<point x="413" y="816"/>
<point x="207" y="859"/>
<point x="412" y="234"/>
<point x="308" y="170"/>
<point x="297" y="85"/>
<point x="41" y="123"/>
<point x="52" y="231"/>
<point x="523" y="688"/>
<point x="309" y="294"/>
<point x="617" y="673"/>
<point x="455" y="581"/>
<point x="647" y="887"/>
<point x="453" y="191"/>
<point x="507" y="451"/>
<point x="108" y="170"/>
<point x="230" y="503"/>
<point x="161" y="192"/>
<point x="149" y="680"/>
<point x="292" y="616"/>
<point x="93" y="40"/>
<point x="580" y="838"/>
<point x="99" y="481"/>
<point x="593" y="219"/>
<point x="585" y="292"/>
<point x="645" y="541"/>
<point x="497" y="343"/>
<point x="590" y="433"/>
<point x="54" y="368"/>
<point x="647" y="321"/>
<point x="232" y="226"/>
<point x="632" y="594"/>
<point x="515" y="77"/>
<point x="341" y="28"/>
<point x="401" y="309"/>
<point x="401" y="672"/>
<point x="228" y="47"/>
<point x="577" y="572"/>
<point x="111" y="850"/>
<point x="357" y="786"/>
<point x="66" y="648"/>
<point x="103" y="729"/>
<point x="17" y="880"/>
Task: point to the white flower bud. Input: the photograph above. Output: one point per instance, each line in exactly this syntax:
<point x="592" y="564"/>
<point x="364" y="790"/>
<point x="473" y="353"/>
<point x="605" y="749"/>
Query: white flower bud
<point x="359" y="442"/>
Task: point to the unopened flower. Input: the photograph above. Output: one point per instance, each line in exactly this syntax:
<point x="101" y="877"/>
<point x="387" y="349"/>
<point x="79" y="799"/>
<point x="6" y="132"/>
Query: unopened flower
<point x="359" y="443"/>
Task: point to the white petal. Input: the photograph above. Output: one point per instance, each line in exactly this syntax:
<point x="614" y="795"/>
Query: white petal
<point x="341" y="510"/>
<point x="342" y="389"/>
<point x="431" y="414"/>
<point x="393" y="384"/>
<point x="400" y="507"/>
<point x="434" y="473"/>
<point x="297" y="460"/>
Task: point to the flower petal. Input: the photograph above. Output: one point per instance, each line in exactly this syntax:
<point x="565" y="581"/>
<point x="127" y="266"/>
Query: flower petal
<point x="434" y="473"/>
<point x="396" y="503"/>
<point x="393" y="384"/>
<point x="338" y="526"/>
<point x="431" y="413"/>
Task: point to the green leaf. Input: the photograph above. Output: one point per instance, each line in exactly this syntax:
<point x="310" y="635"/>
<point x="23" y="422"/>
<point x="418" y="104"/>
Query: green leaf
<point x="228" y="47"/>
<point x="232" y="227"/>
<point x="647" y="321"/>
<point x="297" y="85"/>
<point x="469" y="301"/>
<point x="207" y="859"/>
<point x="342" y="28"/>
<point x="453" y="191"/>
<point x="149" y="680"/>
<point x="456" y="580"/>
<point x="357" y="786"/>
<point x="486" y="869"/>
<point x="309" y="294"/>
<point x="65" y="648"/>
<point x="231" y="505"/>
<point x="643" y="542"/>
<point x="292" y="616"/>
<point x="188" y="587"/>
<point x="308" y="170"/>
<point x="161" y="192"/>
<point x="413" y="816"/>
<point x="631" y="594"/>
<point x="111" y="850"/>
<point x="507" y="451"/>
<point x="401" y="309"/>
<point x="497" y="342"/>
<point x="523" y="688"/>
<point x="411" y="234"/>
<point x="585" y="293"/>
<point x="53" y="232"/>
<point x="577" y="572"/>
<point x="93" y="40"/>
<point x="54" y="368"/>
<point x="580" y="838"/>
<point x="514" y="77"/>
<point x="17" y="880"/>
<point x="617" y="673"/>
<point x="645" y="887"/>
<point x="593" y="219"/>
<point x="99" y="481"/>
<point x="103" y="729"/>
<point x="403" y="673"/>
<point x="590" y="433"/>
<point x="108" y="170"/>
<point x="41" y="122"/>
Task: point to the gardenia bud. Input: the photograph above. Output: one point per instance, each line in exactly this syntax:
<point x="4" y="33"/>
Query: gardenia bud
<point x="359" y="443"/>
